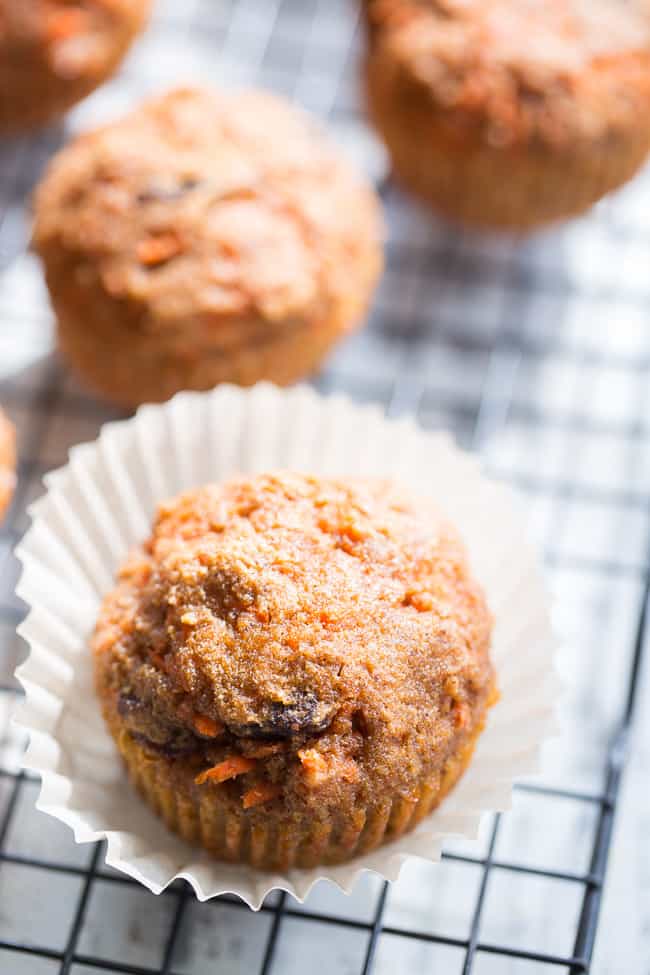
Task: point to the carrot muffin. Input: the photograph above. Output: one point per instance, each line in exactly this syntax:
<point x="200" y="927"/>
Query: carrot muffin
<point x="295" y="669"/>
<point x="510" y="113"/>
<point x="55" y="52"/>
<point x="7" y="463"/>
<point x="205" y="237"/>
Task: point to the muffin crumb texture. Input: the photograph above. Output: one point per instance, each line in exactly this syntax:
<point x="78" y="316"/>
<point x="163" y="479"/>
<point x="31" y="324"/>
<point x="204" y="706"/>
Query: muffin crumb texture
<point x="295" y="669"/>
<point x="510" y="113"/>
<point x="55" y="52"/>
<point x="216" y="237"/>
<point x="7" y="463"/>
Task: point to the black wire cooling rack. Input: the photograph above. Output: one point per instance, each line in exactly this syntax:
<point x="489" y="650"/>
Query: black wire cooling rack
<point x="536" y="354"/>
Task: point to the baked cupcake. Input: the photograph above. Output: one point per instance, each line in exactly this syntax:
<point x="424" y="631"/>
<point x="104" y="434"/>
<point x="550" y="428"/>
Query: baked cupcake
<point x="295" y="669"/>
<point x="7" y="463"/>
<point x="510" y="113"/>
<point x="55" y="52"/>
<point x="207" y="237"/>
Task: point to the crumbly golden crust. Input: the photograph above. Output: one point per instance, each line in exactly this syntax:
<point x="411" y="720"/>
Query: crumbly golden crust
<point x="7" y="462"/>
<point x="507" y="95"/>
<point x="300" y="651"/>
<point x="55" y="52"/>
<point x="200" y="229"/>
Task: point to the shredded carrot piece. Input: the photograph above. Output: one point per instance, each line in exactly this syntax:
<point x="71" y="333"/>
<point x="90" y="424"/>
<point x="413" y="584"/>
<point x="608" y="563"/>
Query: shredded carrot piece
<point x="260" y="793"/>
<point x="422" y="601"/>
<point x="315" y="766"/>
<point x="311" y="758"/>
<point x="157" y="250"/>
<point x="461" y="716"/>
<point x="62" y="24"/>
<point x="206" y="726"/>
<point x="318" y="768"/>
<point x="230" y="768"/>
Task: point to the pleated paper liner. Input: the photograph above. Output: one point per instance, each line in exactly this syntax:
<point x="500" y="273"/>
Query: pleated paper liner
<point x="102" y="503"/>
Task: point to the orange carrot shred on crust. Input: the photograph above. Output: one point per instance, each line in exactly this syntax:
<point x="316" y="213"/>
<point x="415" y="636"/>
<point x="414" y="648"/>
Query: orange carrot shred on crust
<point x="230" y="768"/>
<point x="157" y="250"/>
<point x="315" y="766"/>
<point x="312" y="759"/>
<point x="461" y="716"/>
<point x="62" y="24"/>
<point x="207" y="726"/>
<point x="260" y="793"/>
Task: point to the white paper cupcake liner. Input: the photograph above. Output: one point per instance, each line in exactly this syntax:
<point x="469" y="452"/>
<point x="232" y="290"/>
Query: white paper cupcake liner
<point x="101" y="504"/>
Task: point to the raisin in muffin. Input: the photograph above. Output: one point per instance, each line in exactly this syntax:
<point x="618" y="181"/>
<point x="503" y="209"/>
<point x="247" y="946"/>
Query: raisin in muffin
<point x="295" y="669"/>
<point x="7" y="463"/>
<point x="206" y="237"/>
<point x="510" y="113"/>
<point x="55" y="52"/>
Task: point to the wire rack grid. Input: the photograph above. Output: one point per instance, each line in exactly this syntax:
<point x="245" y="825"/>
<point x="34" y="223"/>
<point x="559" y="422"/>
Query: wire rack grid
<point x="536" y="354"/>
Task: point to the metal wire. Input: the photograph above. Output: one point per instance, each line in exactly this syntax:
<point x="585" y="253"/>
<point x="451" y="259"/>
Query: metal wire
<point x="258" y="40"/>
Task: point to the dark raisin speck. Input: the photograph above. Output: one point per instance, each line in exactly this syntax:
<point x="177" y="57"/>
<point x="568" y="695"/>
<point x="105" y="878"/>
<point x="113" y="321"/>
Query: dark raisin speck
<point x="304" y="716"/>
<point x="146" y="727"/>
<point x="170" y="749"/>
<point x="127" y="704"/>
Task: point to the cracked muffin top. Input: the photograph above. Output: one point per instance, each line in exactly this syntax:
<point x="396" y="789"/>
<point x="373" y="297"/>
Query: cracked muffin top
<point x="7" y="462"/>
<point x="210" y="208"/>
<point x="554" y="69"/>
<point x="286" y="615"/>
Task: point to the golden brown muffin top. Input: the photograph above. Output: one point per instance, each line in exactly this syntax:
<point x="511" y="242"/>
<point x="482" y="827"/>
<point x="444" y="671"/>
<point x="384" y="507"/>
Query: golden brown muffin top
<point x="72" y="38"/>
<point x="208" y="207"/>
<point x="315" y="613"/>
<point x="552" y="69"/>
<point x="7" y="462"/>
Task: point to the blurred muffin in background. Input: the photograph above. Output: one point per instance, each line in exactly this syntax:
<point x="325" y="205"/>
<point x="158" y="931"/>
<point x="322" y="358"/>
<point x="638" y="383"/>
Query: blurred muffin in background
<point x="55" y="52"/>
<point x="206" y="237"/>
<point x="510" y="113"/>
<point x="7" y="463"/>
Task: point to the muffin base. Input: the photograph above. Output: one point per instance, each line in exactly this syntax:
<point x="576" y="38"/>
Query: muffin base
<point x="509" y="189"/>
<point x="279" y="841"/>
<point x="129" y="361"/>
<point x="133" y="374"/>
